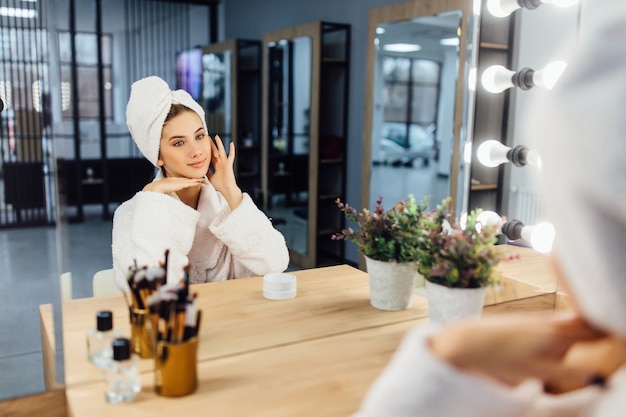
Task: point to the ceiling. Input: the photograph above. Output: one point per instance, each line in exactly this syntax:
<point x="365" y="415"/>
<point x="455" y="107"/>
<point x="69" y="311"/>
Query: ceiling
<point x="427" y="31"/>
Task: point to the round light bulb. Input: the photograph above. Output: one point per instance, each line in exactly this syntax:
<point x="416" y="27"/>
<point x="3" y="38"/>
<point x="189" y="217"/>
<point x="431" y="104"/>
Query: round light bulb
<point x="492" y="153"/>
<point x="548" y="76"/>
<point x="502" y="8"/>
<point x="488" y="217"/>
<point x="540" y="236"/>
<point x="497" y="78"/>
<point x="485" y="218"/>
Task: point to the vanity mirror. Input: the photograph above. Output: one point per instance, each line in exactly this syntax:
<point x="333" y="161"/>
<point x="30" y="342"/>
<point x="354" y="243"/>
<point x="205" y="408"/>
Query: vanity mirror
<point x="304" y="129"/>
<point x="231" y="97"/>
<point x="418" y="101"/>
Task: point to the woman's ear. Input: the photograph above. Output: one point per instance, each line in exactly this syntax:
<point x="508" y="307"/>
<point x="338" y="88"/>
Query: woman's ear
<point x="160" y="162"/>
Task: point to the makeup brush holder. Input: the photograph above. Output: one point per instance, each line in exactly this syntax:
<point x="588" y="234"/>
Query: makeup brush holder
<point x="175" y="371"/>
<point x="142" y="334"/>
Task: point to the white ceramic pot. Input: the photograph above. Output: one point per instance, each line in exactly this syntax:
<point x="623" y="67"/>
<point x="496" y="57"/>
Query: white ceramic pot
<point x="391" y="284"/>
<point x="447" y="304"/>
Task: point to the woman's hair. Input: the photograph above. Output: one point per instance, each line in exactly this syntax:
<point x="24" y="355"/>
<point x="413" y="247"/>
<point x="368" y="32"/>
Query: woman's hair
<point x="175" y="110"/>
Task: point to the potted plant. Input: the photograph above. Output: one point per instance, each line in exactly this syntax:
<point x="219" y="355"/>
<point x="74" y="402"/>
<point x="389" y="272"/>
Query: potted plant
<point x="391" y="241"/>
<point x="458" y="263"/>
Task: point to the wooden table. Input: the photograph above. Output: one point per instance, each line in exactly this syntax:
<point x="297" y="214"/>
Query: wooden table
<point x="318" y="351"/>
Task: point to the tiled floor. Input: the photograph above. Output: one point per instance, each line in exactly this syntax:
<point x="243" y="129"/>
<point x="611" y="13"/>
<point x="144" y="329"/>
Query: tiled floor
<point x="29" y="272"/>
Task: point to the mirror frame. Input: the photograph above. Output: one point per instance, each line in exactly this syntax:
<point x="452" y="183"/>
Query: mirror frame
<point x="408" y="11"/>
<point x="312" y="30"/>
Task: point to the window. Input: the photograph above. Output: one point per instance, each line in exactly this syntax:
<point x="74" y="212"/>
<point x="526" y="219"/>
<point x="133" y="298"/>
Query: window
<point x="87" y="74"/>
<point x="410" y="98"/>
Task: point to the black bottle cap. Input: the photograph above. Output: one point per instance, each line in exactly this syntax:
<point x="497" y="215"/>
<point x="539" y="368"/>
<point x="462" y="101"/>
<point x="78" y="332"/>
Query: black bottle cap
<point x="121" y="349"/>
<point x="104" y="320"/>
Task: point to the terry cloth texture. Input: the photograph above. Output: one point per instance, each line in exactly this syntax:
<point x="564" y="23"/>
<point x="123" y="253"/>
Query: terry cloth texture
<point x="149" y="103"/>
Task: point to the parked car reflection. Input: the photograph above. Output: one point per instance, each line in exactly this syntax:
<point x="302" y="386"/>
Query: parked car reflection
<point x="394" y="149"/>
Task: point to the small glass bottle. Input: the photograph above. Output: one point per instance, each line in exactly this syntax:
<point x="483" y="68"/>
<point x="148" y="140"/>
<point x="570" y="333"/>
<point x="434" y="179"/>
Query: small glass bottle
<point x="99" y="351"/>
<point x="122" y="375"/>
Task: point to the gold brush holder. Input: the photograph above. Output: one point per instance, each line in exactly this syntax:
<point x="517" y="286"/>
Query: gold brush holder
<point x="175" y="371"/>
<point x="142" y="334"/>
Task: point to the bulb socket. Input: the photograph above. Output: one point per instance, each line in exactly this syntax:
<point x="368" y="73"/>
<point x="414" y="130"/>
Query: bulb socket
<point x="529" y="4"/>
<point x="524" y="78"/>
<point x="518" y="155"/>
<point x="512" y="229"/>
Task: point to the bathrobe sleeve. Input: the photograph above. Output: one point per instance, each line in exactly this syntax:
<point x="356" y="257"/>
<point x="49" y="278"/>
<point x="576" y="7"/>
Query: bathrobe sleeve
<point x="416" y="383"/>
<point x="147" y="225"/>
<point x="254" y="243"/>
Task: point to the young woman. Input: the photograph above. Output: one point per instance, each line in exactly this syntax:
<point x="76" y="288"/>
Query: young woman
<point x="196" y="213"/>
<point x="539" y="364"/>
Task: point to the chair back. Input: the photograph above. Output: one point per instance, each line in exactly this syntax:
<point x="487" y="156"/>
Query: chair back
<point x="104" y="284"/>
<point x="66" y="286"/>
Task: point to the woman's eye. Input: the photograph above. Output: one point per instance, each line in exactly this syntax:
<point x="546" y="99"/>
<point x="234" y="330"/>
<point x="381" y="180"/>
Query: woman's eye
<point x="200" y="136"/>
<point x="178" y="143"/>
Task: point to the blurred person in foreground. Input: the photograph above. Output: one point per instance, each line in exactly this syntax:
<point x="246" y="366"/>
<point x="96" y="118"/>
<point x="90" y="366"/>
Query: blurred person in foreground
<point x="533" y="364"/>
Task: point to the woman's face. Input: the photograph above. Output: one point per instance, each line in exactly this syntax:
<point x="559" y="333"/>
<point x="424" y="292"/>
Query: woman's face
<point x="185" y="149"/>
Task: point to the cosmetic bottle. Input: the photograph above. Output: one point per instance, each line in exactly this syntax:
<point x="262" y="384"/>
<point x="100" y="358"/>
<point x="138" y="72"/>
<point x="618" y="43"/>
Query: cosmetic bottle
<point x="99" y="351"/>
<point x="122" y="374"/>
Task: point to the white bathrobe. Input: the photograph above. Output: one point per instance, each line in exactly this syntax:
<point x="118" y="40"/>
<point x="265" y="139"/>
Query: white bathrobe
<point x="217" y="243"/>
<point x="416" y="383"/>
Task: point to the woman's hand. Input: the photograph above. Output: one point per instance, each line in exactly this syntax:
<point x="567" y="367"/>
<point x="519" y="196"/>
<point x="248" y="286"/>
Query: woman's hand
<point x="223" y="175"/>
<point x="512" y="349"/>
<point x="605" y="356"/>
<point x="172" y="184"/>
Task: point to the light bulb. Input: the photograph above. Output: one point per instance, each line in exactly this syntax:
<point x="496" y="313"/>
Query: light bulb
<point x="503" y="8"/>
<point x="492" y="153"/>
<point x="488" y="217"/>
<point x="548" y="76"/>
<point x="497" y="78"/>
<point x="540" y="236"/>
<point x="485" y="218"/>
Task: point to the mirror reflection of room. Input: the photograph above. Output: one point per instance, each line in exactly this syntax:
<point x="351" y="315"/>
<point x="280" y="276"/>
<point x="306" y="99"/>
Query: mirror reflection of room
<point x="414" y="92"/>
<point x="216" y="93"/>
<point x="231" y="98"/>
<point x="288" y="154"/>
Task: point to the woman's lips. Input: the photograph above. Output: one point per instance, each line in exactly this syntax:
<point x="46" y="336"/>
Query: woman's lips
<point x="199" y="164"/>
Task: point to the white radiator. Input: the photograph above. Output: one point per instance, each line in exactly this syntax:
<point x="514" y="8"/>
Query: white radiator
<point x="524" y="205"/>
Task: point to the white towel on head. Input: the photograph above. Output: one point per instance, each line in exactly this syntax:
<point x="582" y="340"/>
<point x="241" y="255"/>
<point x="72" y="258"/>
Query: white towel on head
<point x="580" y="131"/>
<point x="149" y="103"/>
